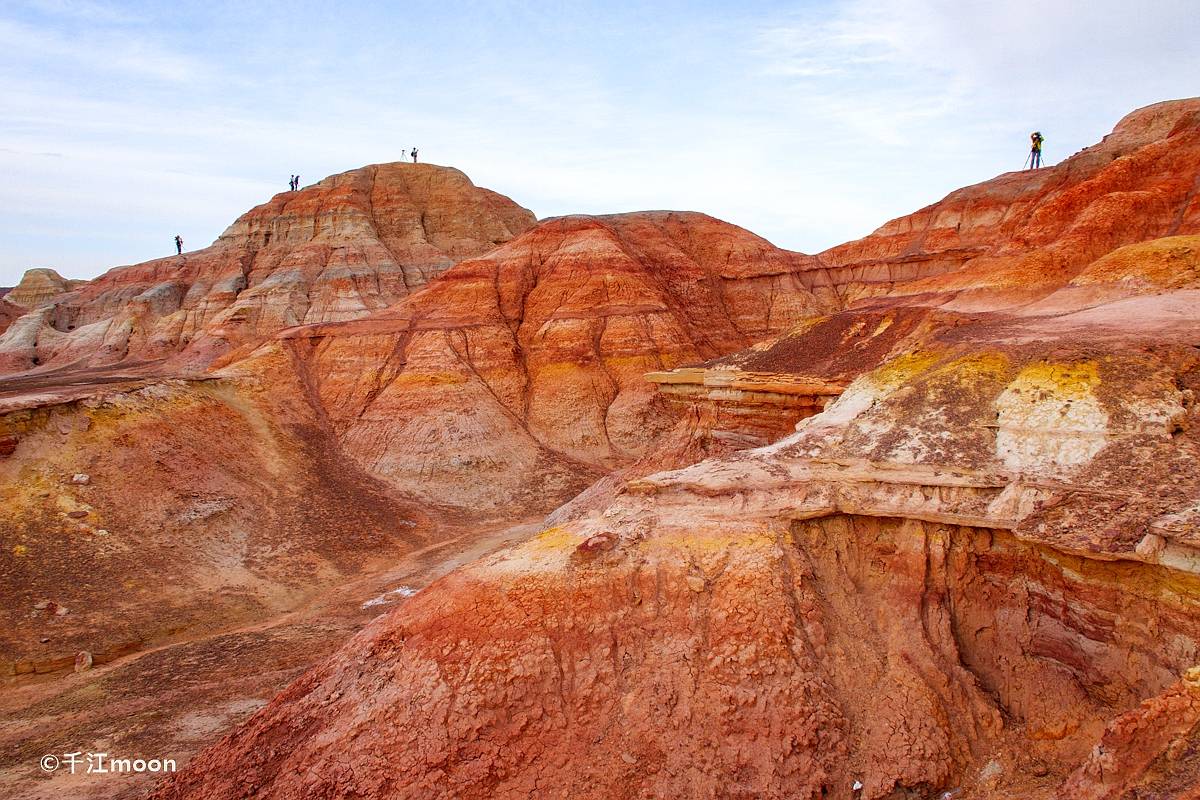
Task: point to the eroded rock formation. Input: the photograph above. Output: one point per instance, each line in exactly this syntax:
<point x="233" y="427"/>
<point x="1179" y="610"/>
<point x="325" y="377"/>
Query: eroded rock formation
<point x="8" y="314"/>
<point x="870" y="599"/>
<point x="517" y="378"/>
<point x="337" y="250"/>
<point x="1016" y="237"/>
<point x="133" y="510"/>
<point x="974" y="567"/>
<point x="39" y="287"/>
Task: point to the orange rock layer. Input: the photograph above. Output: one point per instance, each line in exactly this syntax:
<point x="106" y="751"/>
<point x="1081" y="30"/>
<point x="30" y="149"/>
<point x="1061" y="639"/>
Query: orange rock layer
<point x="1018" y="237"/>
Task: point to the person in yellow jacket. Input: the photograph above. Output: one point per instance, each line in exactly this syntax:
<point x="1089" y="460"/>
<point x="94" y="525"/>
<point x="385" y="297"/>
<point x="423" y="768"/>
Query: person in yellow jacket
<point x="1035" y="152"/>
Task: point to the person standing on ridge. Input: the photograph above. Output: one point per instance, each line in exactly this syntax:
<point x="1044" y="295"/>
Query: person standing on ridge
<point x="291" y="183"/>
<point x="1035" y="151"/>
<point x="178" y="244"/>
<point x="414" y="155"/>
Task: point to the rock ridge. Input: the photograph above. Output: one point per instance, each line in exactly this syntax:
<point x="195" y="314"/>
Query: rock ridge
<point x="336" y="250"/>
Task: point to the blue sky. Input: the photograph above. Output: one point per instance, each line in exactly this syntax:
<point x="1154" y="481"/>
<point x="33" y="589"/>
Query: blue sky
<point x="122" y="124"/>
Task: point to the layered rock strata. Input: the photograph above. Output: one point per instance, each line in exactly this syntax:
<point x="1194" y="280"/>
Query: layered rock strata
<point x="517" y="378"/>
<point x="1018" y="237"/>
<point x="39" y="287"/>
<point x="974" y="572"/>
<point x="134" y="511"/>
<point x="337" y="250"/>
<point x="940" y="571"/>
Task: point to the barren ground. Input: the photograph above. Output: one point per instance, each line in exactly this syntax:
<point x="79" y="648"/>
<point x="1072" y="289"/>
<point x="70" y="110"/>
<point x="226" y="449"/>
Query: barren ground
<point x="172" y="700"/>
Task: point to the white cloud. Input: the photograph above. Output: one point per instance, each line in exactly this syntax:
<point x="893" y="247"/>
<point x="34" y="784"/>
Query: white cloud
<point x="99" y="51"/>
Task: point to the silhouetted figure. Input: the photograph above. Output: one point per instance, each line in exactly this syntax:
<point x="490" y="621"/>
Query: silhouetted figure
<point x="414" y="155"/>
<point x="1035" y="150"/>
<point x="178" y="244"/>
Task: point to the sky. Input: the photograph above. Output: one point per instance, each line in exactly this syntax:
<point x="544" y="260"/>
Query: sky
<point x="809" y="123"/>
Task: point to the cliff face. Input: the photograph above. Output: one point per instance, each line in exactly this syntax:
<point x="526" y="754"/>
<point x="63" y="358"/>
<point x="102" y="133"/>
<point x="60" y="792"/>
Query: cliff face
<point x="337" y="250"/>
<point x="517" y="378"/>
<point x="974" y="564"/>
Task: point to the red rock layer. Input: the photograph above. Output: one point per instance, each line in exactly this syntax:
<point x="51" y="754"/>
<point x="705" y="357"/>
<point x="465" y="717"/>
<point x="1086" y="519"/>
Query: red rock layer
<point x="517" y="378"/>
<point x="942" y="571"/>
<point x="8" y="314"/>
<point x="351" y="244"/>
<point x="1018" y="237"/>
<point x="1151" y="751"/>
<point x="728" y="660"/>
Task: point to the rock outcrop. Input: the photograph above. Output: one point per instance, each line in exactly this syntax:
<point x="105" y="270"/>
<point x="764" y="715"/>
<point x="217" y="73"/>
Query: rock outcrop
<point x="337" y="250"/>
<point x="975" y="570"/>
<point x="517" y="378"/>
<point x="136" y="510"/>
<point x="39" y="287"/>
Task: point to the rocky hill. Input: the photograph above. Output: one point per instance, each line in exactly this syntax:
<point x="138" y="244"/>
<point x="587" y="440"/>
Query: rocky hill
<point x="517" y="378"/>
<point x="160" y="518"/>
<point x="973" y="567"/>
<point x="501" y="390"/>
<point x="1017" y="237"/>
<point x="337" y="250"/>
<point x="39" y="287"/>
<point x="207" y="503"/>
